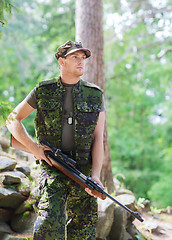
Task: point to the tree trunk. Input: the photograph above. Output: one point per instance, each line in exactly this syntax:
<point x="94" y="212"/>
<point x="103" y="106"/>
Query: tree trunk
<point x="89" y="30"/>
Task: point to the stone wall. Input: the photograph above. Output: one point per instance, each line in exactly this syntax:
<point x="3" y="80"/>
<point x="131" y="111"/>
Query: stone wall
<point x="17" y="198"/>
<point x="19" y="191"/>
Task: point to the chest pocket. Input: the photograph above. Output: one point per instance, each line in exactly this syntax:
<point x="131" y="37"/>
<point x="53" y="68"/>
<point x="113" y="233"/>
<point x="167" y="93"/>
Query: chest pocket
<point x="48" y="104"/>
<point x="88" y="107"/>
<point x="49" y="116"/>
<point x="87" y="114"/>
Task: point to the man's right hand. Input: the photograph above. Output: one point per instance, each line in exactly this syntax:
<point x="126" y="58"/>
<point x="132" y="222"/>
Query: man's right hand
<point x="38" y="152"/>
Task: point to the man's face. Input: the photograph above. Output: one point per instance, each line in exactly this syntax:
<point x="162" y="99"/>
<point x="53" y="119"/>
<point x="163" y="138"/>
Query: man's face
<point x="74" y="63"/>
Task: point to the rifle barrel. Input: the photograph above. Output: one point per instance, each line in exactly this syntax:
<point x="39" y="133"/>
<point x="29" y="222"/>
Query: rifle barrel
<point x="135" y="214"/>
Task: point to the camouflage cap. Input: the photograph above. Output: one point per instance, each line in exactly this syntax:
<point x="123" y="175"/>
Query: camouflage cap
<point x="70" y="47"/>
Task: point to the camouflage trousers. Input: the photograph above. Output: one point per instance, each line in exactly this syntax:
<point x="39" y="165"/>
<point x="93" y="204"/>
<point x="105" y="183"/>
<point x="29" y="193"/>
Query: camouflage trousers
<point x="65" y="210"/>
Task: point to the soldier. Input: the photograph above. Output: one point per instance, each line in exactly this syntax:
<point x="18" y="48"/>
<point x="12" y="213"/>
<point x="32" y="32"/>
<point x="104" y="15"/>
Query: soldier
<point x="70" y="115"/>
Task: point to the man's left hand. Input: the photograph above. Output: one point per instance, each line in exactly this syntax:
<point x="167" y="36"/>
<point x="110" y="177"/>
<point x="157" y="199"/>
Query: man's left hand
<point x="94" y="193"/>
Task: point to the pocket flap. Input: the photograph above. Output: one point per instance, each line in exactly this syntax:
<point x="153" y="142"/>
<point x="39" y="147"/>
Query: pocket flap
<point x="48" y="104"/>
<point x="88" y="107"/>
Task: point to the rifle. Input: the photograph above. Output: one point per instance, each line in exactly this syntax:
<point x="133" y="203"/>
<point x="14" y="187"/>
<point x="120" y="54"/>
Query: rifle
<point x="67" y="165"/>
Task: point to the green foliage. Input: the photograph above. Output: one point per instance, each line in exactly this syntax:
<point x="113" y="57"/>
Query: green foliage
<point x="140" y="237"/>
<point x="5" y="109"/>
<point x="6" y="7"/>
<point x="161" y="192"/>
<point x="138" y="94"/>
<point x="141" y="181"/>
<point x="29" y="204"/>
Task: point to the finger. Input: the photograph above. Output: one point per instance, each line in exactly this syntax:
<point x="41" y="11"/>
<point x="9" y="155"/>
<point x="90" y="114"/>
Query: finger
<point x="44" y="158"/>
<point x="90" y="192"/>
<point x="48" y="161"/>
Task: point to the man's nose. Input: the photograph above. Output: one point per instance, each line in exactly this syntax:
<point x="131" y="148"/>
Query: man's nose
<point x="81" y="60"/>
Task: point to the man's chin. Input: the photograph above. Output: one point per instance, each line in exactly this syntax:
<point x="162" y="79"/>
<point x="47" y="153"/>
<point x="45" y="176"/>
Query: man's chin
<point x="79" y="74"/>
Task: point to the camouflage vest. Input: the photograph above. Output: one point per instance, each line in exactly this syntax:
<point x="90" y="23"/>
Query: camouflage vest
<point x="87" y="100"/>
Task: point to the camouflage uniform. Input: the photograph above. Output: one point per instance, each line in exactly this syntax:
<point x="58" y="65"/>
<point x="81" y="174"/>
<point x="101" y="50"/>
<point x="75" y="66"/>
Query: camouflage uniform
<point x="64" y="206"/>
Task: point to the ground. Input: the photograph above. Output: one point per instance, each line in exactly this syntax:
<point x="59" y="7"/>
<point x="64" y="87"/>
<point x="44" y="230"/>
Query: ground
<point x="155" y="226"/>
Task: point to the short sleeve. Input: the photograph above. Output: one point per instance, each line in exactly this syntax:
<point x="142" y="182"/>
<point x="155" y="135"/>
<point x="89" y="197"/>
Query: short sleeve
<point x="31" y="98"/>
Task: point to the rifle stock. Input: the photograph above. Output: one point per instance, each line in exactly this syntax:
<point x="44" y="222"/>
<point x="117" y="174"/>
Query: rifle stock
<point x="67" y="166"/>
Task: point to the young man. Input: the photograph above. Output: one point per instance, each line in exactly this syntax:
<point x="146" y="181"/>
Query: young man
<point x="70" y="115"/>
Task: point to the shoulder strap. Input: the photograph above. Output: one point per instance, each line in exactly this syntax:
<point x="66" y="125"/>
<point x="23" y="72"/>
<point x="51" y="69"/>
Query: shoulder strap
<point x="92" y="85"/>
<point x="46" y="82"/>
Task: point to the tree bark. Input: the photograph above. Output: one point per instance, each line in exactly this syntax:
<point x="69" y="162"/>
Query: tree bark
<point x="89" y="30"/>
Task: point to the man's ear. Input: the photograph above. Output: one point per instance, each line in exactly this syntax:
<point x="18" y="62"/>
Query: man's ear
<point x="61" y="61"/>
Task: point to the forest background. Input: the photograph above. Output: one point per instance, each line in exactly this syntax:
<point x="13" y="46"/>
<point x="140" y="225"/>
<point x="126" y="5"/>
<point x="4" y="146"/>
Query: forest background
<point x="138" y="82"/>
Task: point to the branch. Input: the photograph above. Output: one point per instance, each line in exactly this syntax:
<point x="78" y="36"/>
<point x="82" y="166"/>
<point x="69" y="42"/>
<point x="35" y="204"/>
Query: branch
<point x="136" y="49"/>
<point x="163" y="53"/>
<point x="2" y="22"/>
<point x="152" y="44"/>
<point x="151" y="14"/>
<point x="124" y="56"/>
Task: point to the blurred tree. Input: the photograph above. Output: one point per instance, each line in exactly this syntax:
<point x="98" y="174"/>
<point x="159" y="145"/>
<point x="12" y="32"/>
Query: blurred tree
<point x="89" y="30"/>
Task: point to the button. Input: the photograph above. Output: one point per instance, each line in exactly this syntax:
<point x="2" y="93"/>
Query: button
<point x="95" y="107"/>
<point x="84" y="108"/>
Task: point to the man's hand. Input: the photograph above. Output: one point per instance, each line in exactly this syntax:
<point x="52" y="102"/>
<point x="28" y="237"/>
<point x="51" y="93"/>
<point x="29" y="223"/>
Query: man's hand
<point x="95" y="193"/>
<point x="38" y="152"/>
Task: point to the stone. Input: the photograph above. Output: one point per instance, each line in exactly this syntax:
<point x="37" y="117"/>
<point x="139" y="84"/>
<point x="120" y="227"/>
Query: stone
<point x="123" y="191"/>
<point x="5" y="228"/>
<point x="23" y="223"/>
<point x="133" y="231"/>
<point x="24" y="187"/>
<point x="4" y="142"/>
<point x="117" y="183"/>
<point x="128" y="200"/>
<point x="5" y="214"/>
<point x="10" y="198"/>
<point x="9" y="178"/>
<point x="7" y="164"/>
<point x="118" y="229"/>
<point x="19" y="174"/>
<point x="146" y="204"/>
<point x="24" y="169"/>
<point x="25" y="206"/>
<point x="105" y="218"/>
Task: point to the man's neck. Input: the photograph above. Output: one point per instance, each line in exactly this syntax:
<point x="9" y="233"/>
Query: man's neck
<point x="65" y="78"/>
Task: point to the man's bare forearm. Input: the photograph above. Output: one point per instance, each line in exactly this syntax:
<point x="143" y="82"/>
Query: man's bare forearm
<point x="16" y="127"/>
<point x="20" y="134"/>
<point x="98" y="149"/>
<point x="97" y="156"/>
